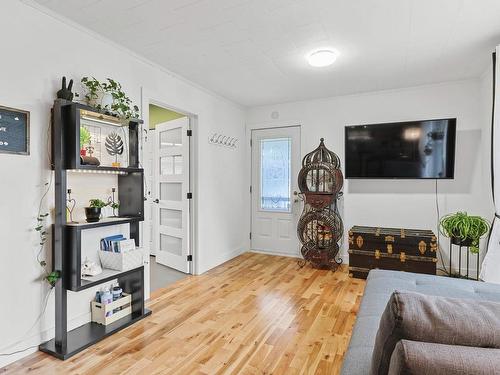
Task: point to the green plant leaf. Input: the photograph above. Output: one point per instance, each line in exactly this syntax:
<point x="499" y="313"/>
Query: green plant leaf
<point x="464" y="227"/>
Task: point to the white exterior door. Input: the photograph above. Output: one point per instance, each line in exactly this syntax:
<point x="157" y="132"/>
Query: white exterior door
<point x="275" y="208"/>
<point x="171" y="209"/>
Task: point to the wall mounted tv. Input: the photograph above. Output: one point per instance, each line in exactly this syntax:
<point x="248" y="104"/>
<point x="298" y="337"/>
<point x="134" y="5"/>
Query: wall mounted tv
<point x="413" y="149"/>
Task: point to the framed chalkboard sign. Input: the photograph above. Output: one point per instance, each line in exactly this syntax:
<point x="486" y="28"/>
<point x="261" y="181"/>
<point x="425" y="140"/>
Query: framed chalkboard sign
<point x="14" y="131"/>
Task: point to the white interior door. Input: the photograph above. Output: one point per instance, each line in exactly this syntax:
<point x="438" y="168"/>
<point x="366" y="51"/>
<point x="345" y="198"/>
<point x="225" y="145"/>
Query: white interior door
<point x="171" y="181"/>
<point x="275" y="208"/>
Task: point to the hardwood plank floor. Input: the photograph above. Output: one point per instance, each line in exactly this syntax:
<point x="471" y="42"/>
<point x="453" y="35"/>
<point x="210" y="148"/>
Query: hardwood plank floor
<point x="256" y="314"/>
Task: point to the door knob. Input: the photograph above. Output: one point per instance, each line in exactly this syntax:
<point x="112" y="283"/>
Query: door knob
<point x="156" y="200"/>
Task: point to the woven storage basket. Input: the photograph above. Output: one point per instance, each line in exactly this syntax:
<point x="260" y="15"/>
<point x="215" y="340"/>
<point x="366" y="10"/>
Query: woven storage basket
<point x="121" y="261"/>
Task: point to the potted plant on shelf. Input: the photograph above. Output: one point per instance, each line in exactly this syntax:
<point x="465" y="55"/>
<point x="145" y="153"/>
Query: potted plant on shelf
<point x="109" y="97"/>
<point x="84" y="140"/>
<point x="464" y="230"/>
<point x="96" y="96"/>
<point x="93" y="212"/>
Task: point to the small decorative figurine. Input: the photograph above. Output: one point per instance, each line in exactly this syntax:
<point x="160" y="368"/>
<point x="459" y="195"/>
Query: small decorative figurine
<point x="70" y="206"/>
<point x="114" y="147"/>
<point x="65" y="92"/>
<point x="111" y="202"/>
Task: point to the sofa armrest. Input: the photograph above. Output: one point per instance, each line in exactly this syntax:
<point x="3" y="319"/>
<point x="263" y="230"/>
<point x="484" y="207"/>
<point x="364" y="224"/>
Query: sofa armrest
<point x="450" y="321"/>
<point x="423" y="358"/>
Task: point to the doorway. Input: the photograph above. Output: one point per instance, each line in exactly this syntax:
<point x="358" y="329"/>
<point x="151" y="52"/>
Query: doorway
<point x="168" y="159"/>
<point x="275" y="205"/>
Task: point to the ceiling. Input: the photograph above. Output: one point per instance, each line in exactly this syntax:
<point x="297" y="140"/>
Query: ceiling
<point x="253" y="51"/>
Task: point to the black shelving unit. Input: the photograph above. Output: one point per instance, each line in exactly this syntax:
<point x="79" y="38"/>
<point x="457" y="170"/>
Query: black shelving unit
<point x="67" y="236"/>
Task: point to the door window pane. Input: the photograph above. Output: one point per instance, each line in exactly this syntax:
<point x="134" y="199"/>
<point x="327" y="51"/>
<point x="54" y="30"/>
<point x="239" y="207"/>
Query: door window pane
<point x="171" y="165"/>
<point x="171" y="218"/>
<point x="275" y="176"/>
<point x="166" y="165"/>
<point x="171" y="138"/>
<point x="171" y="244"/>
<point x="170" y="191"/>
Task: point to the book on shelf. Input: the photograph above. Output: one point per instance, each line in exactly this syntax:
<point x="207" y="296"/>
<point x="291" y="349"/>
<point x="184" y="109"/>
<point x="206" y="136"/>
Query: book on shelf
<point x="117" y="244"/>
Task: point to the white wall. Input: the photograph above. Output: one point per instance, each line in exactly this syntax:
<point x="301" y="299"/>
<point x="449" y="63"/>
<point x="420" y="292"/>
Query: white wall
<point x="37" y="49"/>
<point x="400" y="203"/>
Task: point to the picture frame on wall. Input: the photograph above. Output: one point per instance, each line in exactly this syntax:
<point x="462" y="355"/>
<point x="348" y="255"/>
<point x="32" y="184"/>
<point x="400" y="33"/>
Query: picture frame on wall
<point x="14" y="131"/>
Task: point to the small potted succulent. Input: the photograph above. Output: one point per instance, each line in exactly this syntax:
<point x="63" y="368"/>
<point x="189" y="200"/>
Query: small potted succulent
<point x="85" y="138"/>
<point x="464" y="230"/>
<point x="93" y="212"/>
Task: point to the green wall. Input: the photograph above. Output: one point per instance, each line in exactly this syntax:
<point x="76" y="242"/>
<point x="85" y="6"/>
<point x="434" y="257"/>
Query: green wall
<point x="158" y="115"/>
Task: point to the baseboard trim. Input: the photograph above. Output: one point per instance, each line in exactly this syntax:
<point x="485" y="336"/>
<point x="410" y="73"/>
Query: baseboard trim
<point x="276" y="253"/>
<point x="222" y="258"/>
<point x="38" y="338"/>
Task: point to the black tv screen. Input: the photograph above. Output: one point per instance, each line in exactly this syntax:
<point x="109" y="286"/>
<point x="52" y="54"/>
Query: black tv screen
<point x="413" y="149"/>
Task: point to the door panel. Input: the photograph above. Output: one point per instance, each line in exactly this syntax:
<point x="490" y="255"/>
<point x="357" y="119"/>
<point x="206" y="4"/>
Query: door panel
<point x="275" y="209"/>
<point x="172" y="185"/>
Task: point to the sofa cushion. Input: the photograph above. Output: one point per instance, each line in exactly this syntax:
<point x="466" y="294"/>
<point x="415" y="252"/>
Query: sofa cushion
<point x="434" y="319"/>
<point x="423" y="358"/>
<point x="381" y="284"/>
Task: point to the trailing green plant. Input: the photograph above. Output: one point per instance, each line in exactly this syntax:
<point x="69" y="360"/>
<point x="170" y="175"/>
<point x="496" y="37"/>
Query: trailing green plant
<point x="50" y="276"/>
<point x="114" y="205"/>
<point x="464" y="227"/>
<point x="84" y="136"/>
<point x="121" y="105"/>
<point x="97" y="203"/>
<point x="94" y="89"/>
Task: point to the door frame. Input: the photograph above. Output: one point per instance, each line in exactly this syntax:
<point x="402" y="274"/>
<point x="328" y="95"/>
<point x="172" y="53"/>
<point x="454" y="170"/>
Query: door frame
<point x="148" y="97"/>
<point x="265" y="126"/>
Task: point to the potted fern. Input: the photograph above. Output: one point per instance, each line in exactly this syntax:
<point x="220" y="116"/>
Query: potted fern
<point x="464" y="230"/>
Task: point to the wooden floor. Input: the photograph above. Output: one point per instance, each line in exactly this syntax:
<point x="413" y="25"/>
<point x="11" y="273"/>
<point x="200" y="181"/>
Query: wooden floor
<point x="256" y="314"/>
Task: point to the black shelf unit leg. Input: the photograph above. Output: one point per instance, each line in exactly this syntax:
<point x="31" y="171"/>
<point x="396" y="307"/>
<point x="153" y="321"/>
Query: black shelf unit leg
<point x="60" y="218"/>
<point x="468" y="274"/>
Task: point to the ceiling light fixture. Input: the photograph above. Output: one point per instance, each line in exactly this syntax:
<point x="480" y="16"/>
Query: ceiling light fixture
<point x="322" y="58"/>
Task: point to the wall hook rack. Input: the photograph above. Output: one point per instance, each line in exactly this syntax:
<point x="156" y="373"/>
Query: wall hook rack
<point x="223" y="140"/>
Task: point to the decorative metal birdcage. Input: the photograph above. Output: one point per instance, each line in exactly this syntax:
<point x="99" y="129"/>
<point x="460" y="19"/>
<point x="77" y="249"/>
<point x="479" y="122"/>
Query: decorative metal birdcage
<point x="320" y="227"/>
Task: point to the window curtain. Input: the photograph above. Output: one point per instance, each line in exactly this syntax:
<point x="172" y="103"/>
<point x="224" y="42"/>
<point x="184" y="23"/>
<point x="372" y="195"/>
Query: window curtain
<point x="490" y="270"/>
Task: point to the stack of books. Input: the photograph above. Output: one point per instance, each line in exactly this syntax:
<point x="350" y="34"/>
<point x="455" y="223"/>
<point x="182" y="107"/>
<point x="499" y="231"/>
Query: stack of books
<point x="117" y="244"/>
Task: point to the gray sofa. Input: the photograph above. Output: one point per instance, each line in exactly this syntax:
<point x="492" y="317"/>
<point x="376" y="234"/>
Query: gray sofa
<point x="379" y="288"/>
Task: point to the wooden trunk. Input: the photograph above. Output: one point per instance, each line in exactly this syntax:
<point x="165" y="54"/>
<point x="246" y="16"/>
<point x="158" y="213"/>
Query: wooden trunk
<point x="410" y="250"/>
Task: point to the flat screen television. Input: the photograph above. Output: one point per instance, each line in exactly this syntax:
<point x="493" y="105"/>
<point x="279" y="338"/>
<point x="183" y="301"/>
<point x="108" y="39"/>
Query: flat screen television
<point x="413" y="149"/>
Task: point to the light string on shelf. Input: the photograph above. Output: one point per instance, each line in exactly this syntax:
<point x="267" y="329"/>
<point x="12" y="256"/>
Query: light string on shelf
<point x="223" y="140"/>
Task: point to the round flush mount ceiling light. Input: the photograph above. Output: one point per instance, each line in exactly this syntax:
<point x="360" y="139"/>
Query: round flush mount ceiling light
<point x="322" y="58"/>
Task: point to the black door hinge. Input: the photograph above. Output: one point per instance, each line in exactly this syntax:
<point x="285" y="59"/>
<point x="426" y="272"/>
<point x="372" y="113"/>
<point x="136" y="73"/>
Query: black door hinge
<point x="250" y="143"/>
<point x="189" y="195"/>
<point x="250" y="189"/>
<point x="189" y="258"/>
<point x="189" y="132"/>
<point x="250" y="235"/>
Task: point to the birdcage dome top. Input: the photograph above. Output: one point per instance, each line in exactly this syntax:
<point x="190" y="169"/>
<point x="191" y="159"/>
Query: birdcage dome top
<point x="321" y="154"/>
